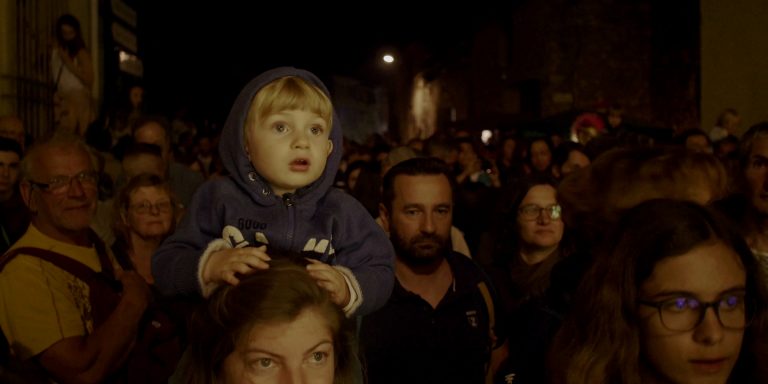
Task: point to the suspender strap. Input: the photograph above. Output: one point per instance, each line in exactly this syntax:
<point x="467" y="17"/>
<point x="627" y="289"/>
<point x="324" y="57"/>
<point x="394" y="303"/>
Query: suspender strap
<point x="491" y="325"/>
<point x="76" y="268"/>
<point x="488" y="303"/>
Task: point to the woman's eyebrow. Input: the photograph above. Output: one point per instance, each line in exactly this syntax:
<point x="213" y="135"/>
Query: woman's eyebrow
<point x="669" y="293"/>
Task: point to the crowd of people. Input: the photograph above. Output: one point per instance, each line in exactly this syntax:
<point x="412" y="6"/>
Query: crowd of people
<point x="275" y="251"/>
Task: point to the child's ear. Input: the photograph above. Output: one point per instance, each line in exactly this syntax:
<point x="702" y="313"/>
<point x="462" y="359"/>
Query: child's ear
<point x="330" y="147"/>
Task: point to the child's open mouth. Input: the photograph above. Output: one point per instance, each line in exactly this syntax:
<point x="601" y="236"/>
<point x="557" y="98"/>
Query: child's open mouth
<point x="300" y="165"/>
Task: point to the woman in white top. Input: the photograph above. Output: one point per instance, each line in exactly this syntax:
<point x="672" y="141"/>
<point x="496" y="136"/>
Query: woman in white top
<point x="72" y="70"/>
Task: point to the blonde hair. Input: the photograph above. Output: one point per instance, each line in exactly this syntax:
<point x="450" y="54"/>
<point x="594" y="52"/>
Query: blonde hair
<point x="287" y="93"/>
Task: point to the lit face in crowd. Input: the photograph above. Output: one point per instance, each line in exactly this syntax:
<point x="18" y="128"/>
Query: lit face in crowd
<point x="421" y="218"/>
<point x="299" y="351"/>
<point x="678" y="343"/>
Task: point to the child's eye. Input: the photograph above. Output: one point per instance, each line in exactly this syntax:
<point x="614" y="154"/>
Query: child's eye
<point x="316" y="130"/>
<point x="280" y="127"/>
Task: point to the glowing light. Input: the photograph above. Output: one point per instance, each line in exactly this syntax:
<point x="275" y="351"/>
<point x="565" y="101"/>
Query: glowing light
<point x="387" y="58"/>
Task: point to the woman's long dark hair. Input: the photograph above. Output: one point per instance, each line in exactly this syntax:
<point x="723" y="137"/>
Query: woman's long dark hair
<point x="599" y="341"/>
<point x="75" y="45"/>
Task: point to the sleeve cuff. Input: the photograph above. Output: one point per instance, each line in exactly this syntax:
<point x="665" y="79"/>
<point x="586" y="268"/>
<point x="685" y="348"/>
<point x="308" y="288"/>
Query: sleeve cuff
<point x="355" y="293"/>
<point x="213" y="246"/>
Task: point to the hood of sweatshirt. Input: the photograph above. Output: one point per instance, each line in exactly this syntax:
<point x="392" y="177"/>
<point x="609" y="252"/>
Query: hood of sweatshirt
<point x="232" y="144"/>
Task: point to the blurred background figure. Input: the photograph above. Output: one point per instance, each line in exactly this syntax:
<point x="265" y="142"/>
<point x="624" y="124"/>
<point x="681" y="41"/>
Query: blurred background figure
<point x="586" y="127"/>
<point x="14" y="216"/>
<point x="695" y="139"/>
<point x="13" y="128"/>
<point x="72" y="71"/>
<point x="569" y="157"/>
<point x="126" y="115"/>
<point x="727" y="124"/>
<point x="539" y="156"/>
<point x="509" y="160"/>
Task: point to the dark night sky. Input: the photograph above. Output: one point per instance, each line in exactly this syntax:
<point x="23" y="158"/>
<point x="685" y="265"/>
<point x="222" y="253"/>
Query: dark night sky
<point x="202" y="54"/>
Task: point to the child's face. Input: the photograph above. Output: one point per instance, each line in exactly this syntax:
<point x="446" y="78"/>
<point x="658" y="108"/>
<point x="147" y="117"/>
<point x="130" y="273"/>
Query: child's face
<point x="289" y="149"/>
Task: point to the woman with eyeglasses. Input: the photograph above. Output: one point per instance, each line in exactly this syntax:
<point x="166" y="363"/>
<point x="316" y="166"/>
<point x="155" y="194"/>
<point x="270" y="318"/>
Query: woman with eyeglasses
<point x="527" y="244"/>
<point x="675" y="297"/>
<point x="145" y="215"/>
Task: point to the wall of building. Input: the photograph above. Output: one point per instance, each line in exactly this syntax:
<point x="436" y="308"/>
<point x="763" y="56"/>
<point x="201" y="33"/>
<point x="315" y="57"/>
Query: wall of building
<point x="734" y="58"/>
<point x="7" y="55"/>
<point x="549" y="59"/>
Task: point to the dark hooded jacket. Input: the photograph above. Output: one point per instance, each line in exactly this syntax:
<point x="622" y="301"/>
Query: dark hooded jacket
<point x="316" y="221"/>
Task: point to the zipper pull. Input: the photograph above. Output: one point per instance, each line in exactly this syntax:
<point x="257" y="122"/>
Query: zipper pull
<point x="288" y="199"/>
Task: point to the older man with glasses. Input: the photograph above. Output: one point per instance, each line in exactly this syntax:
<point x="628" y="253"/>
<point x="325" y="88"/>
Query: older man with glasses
<point x="48" y="313"/>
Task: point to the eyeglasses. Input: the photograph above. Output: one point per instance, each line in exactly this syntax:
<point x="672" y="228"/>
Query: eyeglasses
<point x="532" y="212"/>
<point x="145" y="207"/>
<point x="686" y="313"/>
<point x="60" y="184"/>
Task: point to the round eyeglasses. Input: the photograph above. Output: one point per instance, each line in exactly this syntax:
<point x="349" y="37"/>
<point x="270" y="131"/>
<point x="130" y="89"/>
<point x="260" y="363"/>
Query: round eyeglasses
<point x="532" y="212"/>
<point x="145" y="207"/>
<point x="685" y="313"/>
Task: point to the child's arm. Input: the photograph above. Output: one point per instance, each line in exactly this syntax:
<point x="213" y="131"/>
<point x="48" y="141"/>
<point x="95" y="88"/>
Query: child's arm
<point x="175" y="264"/>
<point x="364" y="248"/>
<point x="333" y="281"/>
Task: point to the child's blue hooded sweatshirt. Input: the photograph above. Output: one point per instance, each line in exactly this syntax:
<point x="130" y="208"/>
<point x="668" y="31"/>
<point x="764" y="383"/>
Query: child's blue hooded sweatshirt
<point x="318" y="221"/>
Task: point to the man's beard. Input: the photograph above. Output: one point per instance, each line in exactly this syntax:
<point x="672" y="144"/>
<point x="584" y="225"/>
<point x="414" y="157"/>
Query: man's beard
<point x="414" y="253"/>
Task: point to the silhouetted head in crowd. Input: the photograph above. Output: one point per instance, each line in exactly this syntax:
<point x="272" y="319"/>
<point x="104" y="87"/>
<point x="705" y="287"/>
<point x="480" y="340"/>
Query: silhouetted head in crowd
<point x="619" y="179"/>
<point x="10" y="166"/>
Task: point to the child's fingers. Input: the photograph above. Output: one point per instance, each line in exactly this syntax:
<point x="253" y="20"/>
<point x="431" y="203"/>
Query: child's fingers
<point x="254" y="252"/>
<point x="313" y="262"/>
<point x="230" y="278"/>
<point x="322" y="273"/>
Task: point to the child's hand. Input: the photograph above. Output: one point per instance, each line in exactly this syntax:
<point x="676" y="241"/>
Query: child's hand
<point x="331" y="280"/>
<point x="225" y="264"/>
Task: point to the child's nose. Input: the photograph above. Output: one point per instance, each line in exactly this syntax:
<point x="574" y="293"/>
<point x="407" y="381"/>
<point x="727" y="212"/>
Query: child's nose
<point x="300" y="140"/>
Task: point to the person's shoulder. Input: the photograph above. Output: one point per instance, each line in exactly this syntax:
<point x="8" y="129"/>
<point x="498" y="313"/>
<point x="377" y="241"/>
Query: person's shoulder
<point x="341" y="203"/>
<point x="183" y="172"/>
<point x="466" y="268"/>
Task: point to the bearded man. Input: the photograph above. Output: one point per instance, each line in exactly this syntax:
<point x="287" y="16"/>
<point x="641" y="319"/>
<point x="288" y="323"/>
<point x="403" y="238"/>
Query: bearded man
<point x="441" y="324"/>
